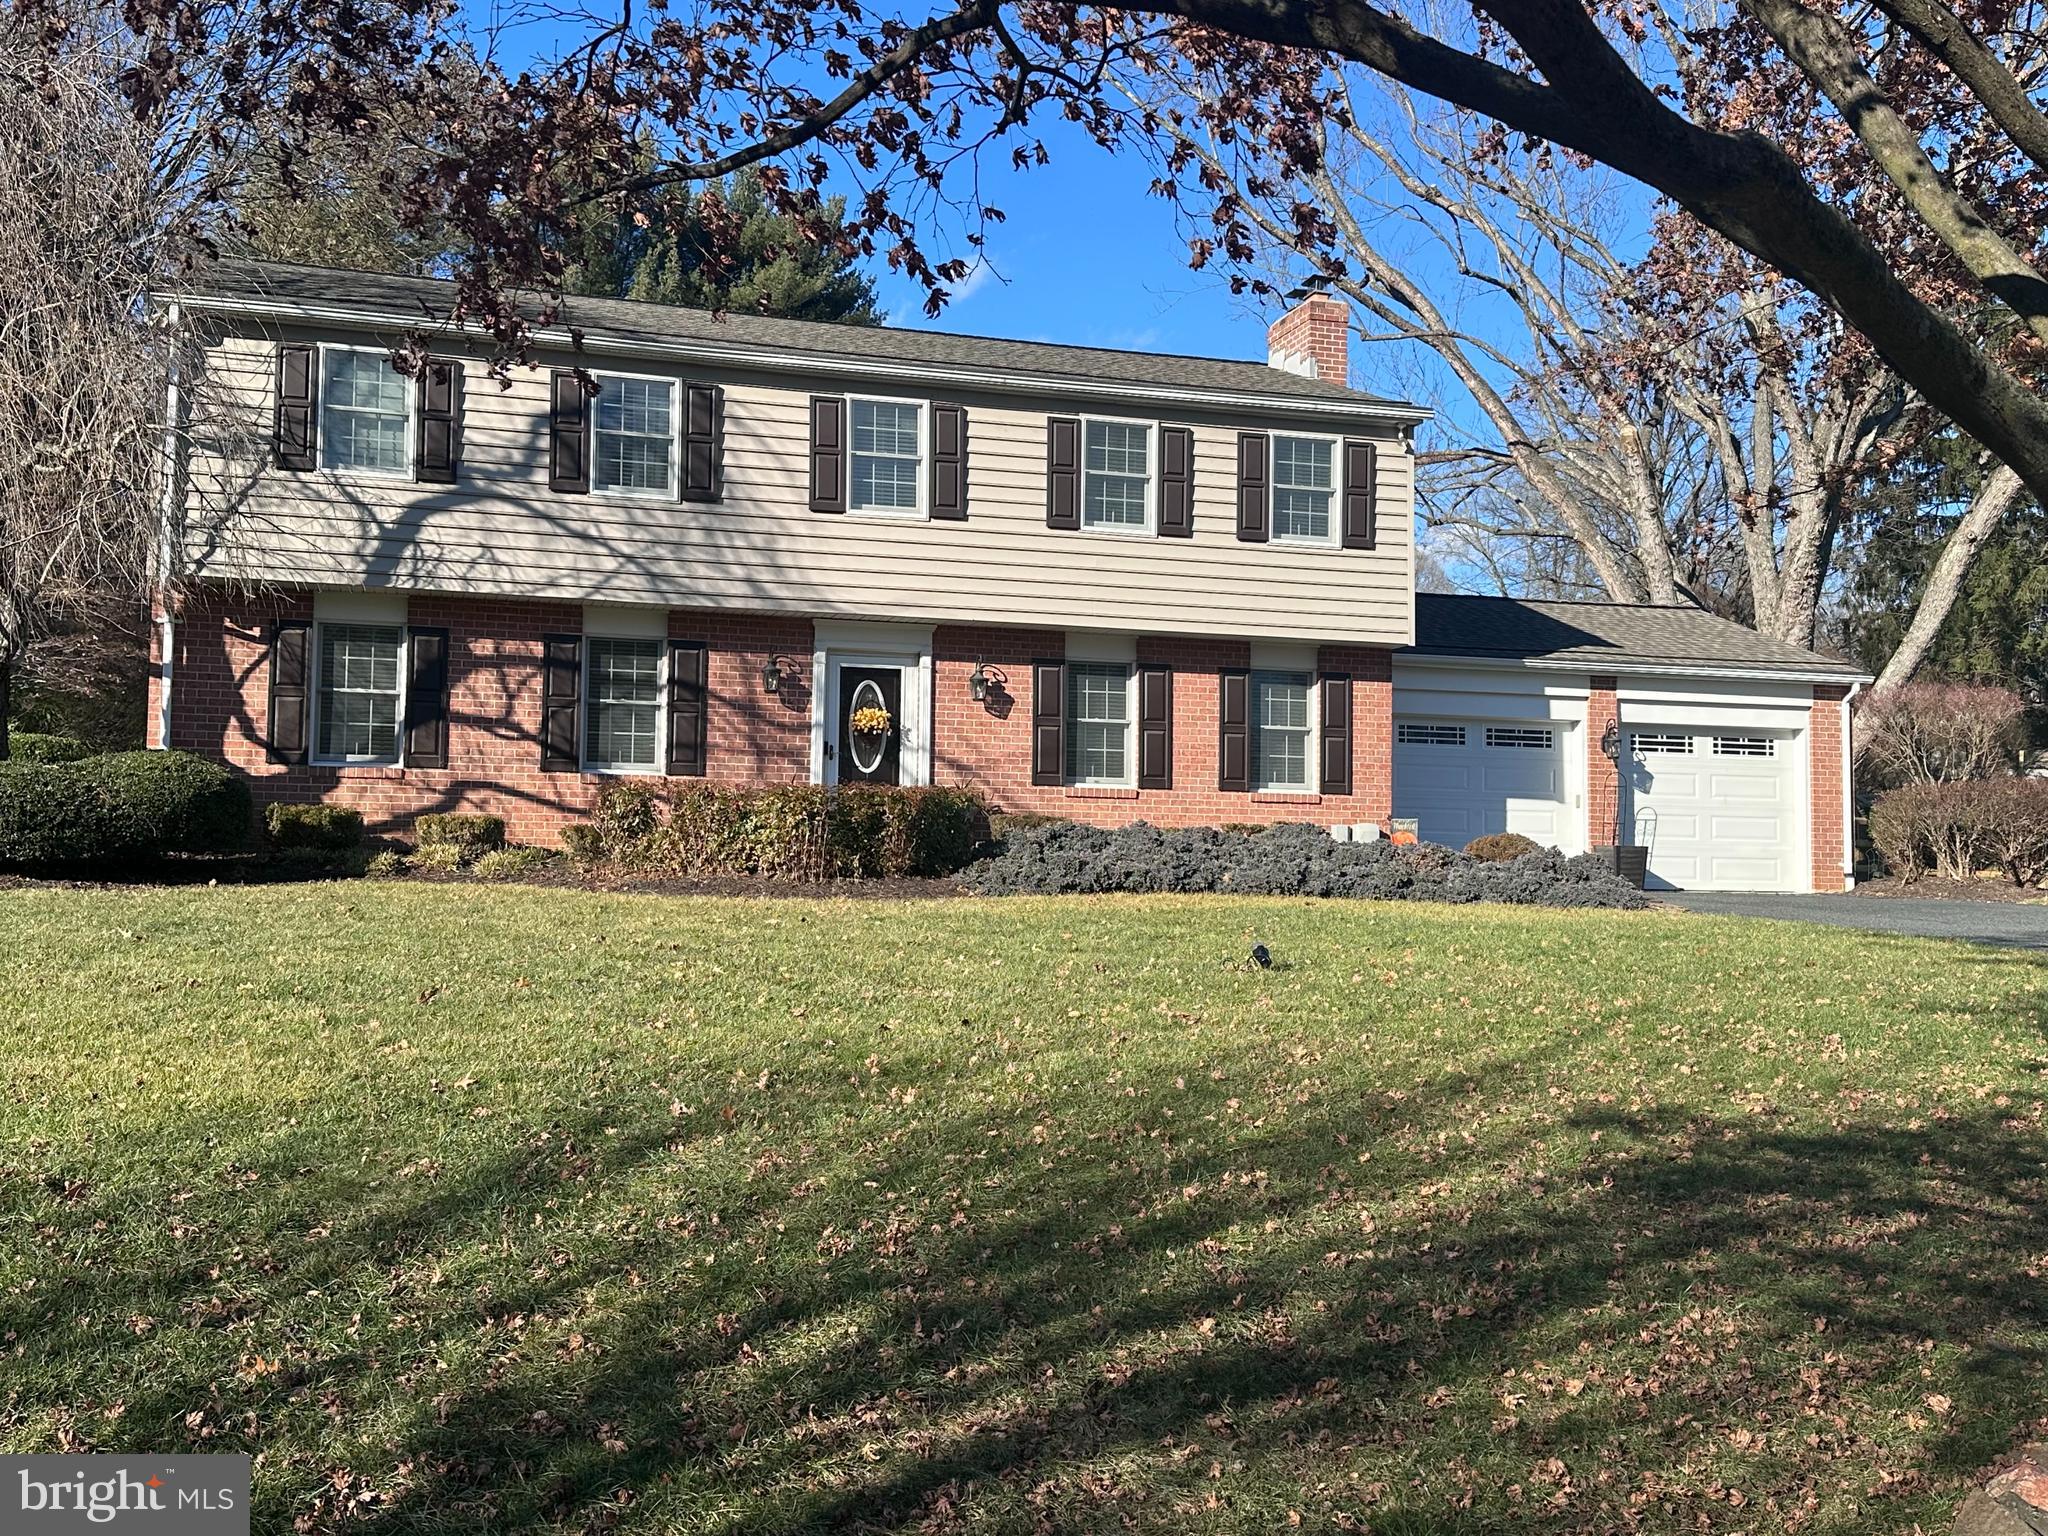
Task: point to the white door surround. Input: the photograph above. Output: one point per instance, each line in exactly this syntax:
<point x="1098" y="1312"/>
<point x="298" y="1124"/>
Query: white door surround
<point x="839" y="643"/>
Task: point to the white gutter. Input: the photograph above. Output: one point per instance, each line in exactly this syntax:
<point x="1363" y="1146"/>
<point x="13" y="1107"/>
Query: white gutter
<point x="166" y="547"/>
<point x="740" y="355"/>
<point x="1849" y="785"/>
<point x="1625" y="668"/>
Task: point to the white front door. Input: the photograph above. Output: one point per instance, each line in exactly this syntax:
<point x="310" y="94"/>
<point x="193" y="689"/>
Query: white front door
<point x="1719" y="810"/>
<point x="1462" y="778"/>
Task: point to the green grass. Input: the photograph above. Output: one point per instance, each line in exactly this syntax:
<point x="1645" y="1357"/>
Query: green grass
<point x="500" y="1210"/>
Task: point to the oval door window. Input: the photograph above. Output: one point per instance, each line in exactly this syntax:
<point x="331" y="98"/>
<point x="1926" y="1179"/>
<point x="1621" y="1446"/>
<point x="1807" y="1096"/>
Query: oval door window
<point x="868" y="746"/>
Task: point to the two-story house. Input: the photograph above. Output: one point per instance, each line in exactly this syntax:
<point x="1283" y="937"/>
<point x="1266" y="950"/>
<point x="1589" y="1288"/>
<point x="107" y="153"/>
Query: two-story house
<point x="1106" y="585"/>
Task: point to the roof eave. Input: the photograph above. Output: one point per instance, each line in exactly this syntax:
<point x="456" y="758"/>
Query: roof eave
<point x="742" y="355"/>
<point x="1646" y="666"/>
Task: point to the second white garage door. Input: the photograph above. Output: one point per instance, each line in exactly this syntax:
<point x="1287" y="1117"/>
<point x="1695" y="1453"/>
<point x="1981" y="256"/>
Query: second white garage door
<point x="1461" y="778"/>
<point x="1720" y="810"/>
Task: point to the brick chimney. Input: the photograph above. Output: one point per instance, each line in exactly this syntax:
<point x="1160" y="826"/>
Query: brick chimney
<point x="1313" y="338"/>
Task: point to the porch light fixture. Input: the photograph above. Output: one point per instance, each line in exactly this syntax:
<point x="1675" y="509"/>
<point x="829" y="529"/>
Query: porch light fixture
<point x="1610" y="742"/>
<point x="977" y="682"/>
<point x="771" y="675"/>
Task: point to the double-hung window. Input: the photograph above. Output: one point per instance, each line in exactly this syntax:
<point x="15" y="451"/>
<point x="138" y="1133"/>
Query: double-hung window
<point x="1304" y="487"/>
<point x="622" y="711"/>
<point x="633" y="436"/>
<point x="359" y="692"/>
<point x="888" y="456"/>
<point x="1116" y="475"/>
<point x="1098" y="723"/>
<point x="365" y="412"/>
<point x="1282" y="728"/>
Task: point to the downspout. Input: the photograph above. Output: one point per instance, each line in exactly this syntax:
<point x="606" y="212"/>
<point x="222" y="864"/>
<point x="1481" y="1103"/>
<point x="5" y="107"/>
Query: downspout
<point x="1849" y="787"/>
<point x="166" y="547"/>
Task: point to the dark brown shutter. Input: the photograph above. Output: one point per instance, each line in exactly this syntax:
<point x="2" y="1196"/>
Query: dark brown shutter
<point x="1048" y="722"/>
<point x="1155" y="727"/>
<point x="568" y="434"/>
<point x="828" y="453"/>
<point x="290" y="667"/>
<point x="688" y="708"/>
<point x="1234" y="730"/>
<point x="426" y="698"/>
<point x="703" y="476"/>
<point x="437" y="438"/>
<point x="1062" y="472"/>
<point x="1361" y="523"/>
<point x="1176" y="483"/>
<point x="1335" y="722"/>
<point x="949" y="462"/>
<point x="561" y="703"/>
<point x="1254" y="487"/>
<point x="292" y="431"/>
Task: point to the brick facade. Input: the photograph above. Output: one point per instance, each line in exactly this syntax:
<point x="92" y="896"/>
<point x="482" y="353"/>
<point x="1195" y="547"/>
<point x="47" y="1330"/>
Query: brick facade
<point x="1603" y="779"/>
<point x="220" y="700"/>
<point x="1825" y="756"/>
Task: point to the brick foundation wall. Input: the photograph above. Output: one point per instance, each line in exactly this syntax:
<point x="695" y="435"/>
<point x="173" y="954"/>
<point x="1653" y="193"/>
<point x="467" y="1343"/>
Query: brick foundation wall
<point x="1825" y="755"/>
<point x="220" y="697"/>
<point x="1603" y="779"/>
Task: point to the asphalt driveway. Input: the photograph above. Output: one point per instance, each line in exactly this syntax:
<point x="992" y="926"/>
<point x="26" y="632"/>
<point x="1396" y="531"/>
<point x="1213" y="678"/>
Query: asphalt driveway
<point x="2012" y="924"/>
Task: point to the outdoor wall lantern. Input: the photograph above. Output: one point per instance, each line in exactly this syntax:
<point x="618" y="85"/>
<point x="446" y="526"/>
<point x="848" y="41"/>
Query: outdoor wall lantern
<point x="1610" y="742"/>
<point x="771" y="675"/>
<point x="977" y="682"/>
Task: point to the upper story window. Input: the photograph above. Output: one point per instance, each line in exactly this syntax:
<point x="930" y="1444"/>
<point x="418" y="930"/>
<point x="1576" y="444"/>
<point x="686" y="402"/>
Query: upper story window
<point x="1281" y="730"/>
<point x="633" y="435"/>
<point x="365" y="412"/>
<point x="1098" y="723"/>
<point x="359" y="692"/>
<point x="1116" y="475"/>
<point x="888" y="456"/>
<point x="1304" y="487"/>
<point x="622" y="720"/>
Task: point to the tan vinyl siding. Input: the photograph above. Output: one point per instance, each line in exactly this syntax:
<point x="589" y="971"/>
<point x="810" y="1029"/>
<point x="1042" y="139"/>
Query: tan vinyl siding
<point x="502" y="531"/>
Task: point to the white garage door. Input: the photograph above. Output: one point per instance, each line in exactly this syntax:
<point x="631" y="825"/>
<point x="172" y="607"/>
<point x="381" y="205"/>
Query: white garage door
<point x="1461" y="778"/>
<point x="1719" y="810"/>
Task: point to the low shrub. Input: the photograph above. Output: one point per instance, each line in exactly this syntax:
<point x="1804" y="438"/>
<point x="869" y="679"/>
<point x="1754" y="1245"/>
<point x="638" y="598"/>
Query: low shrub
<point x="1955" y="829"/>
<point x="1290" y="860"/>
<point x="100" y="813"/>
<point x="1499" y="847"/>
<point x="511" y="863"/>
<point x="581" y="841"/>
<point x="446" y="858"/>
<point x="36" y="747"/>
<point x="789" y="832"/>
<point x="1003" y="823"/>
<point x="323" y="828"/>
<point x="473" y="835"/>
<point x="387" y="865"/>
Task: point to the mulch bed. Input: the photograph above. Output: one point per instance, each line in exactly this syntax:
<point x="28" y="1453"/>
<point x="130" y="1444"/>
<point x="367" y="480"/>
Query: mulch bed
<point x="1927" y="887"/>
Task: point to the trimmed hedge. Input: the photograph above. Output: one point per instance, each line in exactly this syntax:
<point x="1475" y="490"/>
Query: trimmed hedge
<point x="1499" y="847"/>
<point x="101" y="813"/>
<point x="1285" y="860"/>
<point x="319" y="828"/>
<point x="36" y="747"/>
<point x="1955" y="829"/>
<point x="784" y="832"/>
<point x="473" y="836"/>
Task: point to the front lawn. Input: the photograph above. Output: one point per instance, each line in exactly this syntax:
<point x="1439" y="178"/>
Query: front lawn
<point x="498" y="1210"/>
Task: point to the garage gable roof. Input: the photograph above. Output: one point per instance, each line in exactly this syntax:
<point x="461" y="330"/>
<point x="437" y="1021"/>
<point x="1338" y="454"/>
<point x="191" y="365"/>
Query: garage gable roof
<point x="1598" y="636"/>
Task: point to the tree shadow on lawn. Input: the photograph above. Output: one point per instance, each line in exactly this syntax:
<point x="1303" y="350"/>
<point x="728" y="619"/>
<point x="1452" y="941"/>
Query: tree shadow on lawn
<point x="1262" y="1320"/>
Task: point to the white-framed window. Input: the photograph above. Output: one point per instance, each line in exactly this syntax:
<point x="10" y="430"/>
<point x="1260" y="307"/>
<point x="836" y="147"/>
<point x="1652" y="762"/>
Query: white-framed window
<point x="887" y="444"/>
<point x="622" y="704"/>
<point x="633" y="435"/>
<point x="1099" y="723"/>
<point x="1520" y="737"/>
<point x="358" y="692"/>
<point x="1670" y="743"/>
<point x="1304" y="489"/>
<point x="365" y="412"/>
<point x="1116" y="475"/>
<point x="1283" y="731"/>
<point x="1419" y="734"/>
<point x="1743" y="746"/>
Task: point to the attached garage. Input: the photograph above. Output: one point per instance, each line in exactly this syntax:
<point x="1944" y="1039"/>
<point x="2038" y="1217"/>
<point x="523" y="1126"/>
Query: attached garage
<point x="1731" y="746"/>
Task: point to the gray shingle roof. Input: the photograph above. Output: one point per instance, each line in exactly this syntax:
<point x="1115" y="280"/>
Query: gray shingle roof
<point x="1597" y="634"/>
<point x="289" y="287"/>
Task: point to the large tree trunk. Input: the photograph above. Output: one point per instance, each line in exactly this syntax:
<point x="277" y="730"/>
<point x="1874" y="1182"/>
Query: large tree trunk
<point x="6" y="710"/>
<point x="1987" y="509"/>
